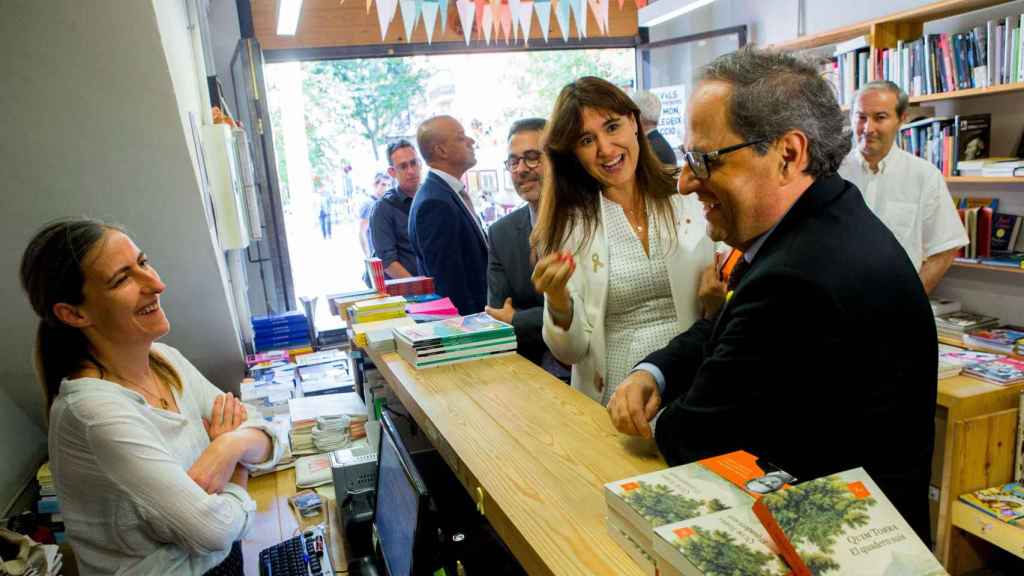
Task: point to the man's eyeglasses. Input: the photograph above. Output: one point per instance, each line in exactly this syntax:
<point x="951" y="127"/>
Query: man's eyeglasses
<point x="700" y="162"/>
<point x="407" y="164"/>
<point x="532" y="159"/>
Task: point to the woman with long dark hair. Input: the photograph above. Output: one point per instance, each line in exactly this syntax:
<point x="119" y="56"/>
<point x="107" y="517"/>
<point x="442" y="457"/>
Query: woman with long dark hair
<point x="149" y="459"/>
<point x="621" y="252"/>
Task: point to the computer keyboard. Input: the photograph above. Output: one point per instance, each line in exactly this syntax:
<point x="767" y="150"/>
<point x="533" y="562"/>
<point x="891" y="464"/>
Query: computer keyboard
<point x="303" y="555"/>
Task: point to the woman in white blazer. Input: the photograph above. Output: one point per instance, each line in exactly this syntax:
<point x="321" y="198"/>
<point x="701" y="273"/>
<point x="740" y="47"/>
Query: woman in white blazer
<point x="621" y="252"/>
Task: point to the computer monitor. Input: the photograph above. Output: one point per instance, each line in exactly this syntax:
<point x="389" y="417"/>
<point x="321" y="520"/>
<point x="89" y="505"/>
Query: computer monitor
<point x="403" y="512"/>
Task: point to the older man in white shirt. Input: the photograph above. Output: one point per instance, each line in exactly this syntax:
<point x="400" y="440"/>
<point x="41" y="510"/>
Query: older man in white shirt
<point x="907" y="193"/>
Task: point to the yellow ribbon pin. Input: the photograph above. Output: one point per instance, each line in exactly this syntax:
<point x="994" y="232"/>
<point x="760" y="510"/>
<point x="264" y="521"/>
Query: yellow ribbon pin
<point x="596" y="261"/>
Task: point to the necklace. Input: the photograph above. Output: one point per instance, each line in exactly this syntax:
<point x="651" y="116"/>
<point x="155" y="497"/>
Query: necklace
<point x="631" y="216"/>
<point x="164" y="404"/>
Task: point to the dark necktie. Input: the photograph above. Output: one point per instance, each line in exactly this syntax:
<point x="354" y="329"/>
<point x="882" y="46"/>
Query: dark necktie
<point x="738" y="271"/>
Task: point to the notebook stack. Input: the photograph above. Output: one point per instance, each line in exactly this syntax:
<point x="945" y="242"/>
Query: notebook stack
<point x="456" y="339"/>
<point x="281" y="331"/>
<point x="323" y="419"/>
<point x="956" y="324"/>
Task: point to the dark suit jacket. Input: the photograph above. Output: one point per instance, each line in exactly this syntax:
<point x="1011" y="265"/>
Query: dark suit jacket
<point x="448" y="245"/>
<point x="508" y="276"/>
<point x="661" y="148"/>
<point x="823" y="360"/>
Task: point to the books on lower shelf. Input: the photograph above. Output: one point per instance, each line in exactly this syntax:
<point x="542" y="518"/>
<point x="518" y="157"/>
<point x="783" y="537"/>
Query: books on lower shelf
<point x="956" y="324"/>
<point x="1004" y="371"/>
<point x="1005" y="502"/>
<point x="843" y="524"/>
<point x="452" y="340"/>
<point x="1005" y="339"/>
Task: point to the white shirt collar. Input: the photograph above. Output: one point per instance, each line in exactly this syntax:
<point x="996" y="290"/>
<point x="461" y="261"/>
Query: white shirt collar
<point x="884" y="163"/>
<point x="452" y="181"/>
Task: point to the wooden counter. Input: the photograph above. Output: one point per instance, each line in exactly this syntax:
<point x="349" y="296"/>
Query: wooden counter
<point x="533" y="453"/>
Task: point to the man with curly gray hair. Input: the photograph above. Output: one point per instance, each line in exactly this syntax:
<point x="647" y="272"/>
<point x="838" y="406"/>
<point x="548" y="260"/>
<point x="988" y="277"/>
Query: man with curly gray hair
<point x="820" y="276"/>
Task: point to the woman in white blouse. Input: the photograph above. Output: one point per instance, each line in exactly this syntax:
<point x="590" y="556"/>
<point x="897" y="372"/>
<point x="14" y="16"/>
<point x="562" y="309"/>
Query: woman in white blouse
<point x="622" y="252"/>
<point x="149" y="459"/>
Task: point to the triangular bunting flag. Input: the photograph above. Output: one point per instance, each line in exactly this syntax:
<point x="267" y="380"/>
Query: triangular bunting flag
<point x="466" y="11"/>
<point x="487" y="26"/>
<point x="443" y="10"/>
<point x="562" y="15"/>
<point x="621" y="4"/>
<point x="641" y="3"/>
<point x="600" y="10"/>
<point x="430" y="9"/>
<point x="385" y="14"/>
<point x="505" y="17"/>
<point x="513" y="9"/>
<point x="525" y="19"/>
<point x="369" y="3"/>
<point x="579" y="14"/>
<point x="410" y="13"/>
<point x="543" y="9"/>
<point x="496" y="15"/>
<point x="479" y="17"/>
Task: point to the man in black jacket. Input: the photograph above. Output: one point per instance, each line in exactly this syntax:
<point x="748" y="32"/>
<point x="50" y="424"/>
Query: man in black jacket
<point x="650" y="115"/>
<point x="823" y="357"/>
<point x="510" y="292"/>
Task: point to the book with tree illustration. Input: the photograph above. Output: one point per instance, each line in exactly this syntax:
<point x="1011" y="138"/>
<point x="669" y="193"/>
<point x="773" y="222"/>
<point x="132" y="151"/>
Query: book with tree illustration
<point x="728" y="542"/>
<point x="638" y="504"/>
<point x="843" y="524"/>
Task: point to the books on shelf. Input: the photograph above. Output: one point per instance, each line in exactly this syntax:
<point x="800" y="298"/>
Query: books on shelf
<point x="1006" y="237"/>
<point x="1005" y="502"/>
<point x="456" y="339"/>
<point x="1003" y="339"/>
<point x="980" y="57"/>
<point x="942" y="306"/>
<point x="1003" y="168"/>
<point x="956" y="324"/>
<point x="843" y="524"/>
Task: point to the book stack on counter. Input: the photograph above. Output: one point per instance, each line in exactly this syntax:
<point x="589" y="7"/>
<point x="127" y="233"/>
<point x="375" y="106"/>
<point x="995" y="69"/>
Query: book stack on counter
<point x="325" y="372"/>
<point x="956" y="324"/>
<point x="339" y="303"/>
<point x="732" y="514"/>
<point x="48" y="506"/>
<point x="377" y="309"/>
<point x="325" y="423"/>
<point x="438" y="309"/>
<point x="413" y="285"/>
<point x="987" y="366"/>
<point x="456" y="339"/>
<point x="382" y="330"/>
<point x="1005" y="339"/>
<point x="331" y="331"/>
<point x="281" y="331"/>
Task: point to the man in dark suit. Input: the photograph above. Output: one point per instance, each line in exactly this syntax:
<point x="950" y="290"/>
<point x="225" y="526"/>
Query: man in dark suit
<point x="650" y="114"/>
<point x="446" y="234"/>
<point x="823" y="356"/>
<point x="512" y="298"/>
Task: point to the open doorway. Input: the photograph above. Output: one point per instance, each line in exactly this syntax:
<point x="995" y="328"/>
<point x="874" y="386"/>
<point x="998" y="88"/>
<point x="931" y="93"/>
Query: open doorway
<point x="332" y="121"/>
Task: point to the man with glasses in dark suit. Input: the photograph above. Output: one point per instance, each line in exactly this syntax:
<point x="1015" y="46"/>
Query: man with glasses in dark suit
<point x="801" y="365"/>
<point x="510" y="293"/>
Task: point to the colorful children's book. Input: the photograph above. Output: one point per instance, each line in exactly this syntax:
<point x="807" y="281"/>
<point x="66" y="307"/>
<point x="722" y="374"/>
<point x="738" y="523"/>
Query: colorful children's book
<point x="457" y="330"/>
<point x="843" y="524"/>
<point x="1005" y="502"/>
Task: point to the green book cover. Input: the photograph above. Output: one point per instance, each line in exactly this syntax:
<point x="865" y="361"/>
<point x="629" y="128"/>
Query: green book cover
<point x="843" y="524"/>
<point x="455" y="330"/>
<point x="726" y="542"/>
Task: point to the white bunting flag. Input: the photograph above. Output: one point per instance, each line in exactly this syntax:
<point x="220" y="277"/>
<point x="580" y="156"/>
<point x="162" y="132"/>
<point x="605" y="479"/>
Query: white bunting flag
<point x="487" y="24"/>
<point x="430" y="10"/>
<point x="543" y="9"/>
<point x="467" y="11"/>
<point x="385" y="14"/>
<point x="562" y="15"/>
<point x="410" y="14"/>
<point x="525" y="18"/>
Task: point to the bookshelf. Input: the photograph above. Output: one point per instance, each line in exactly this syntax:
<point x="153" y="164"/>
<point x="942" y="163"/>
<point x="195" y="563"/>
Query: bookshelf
<point x="984" y="180"/>
<point x="975" y="266"/>
<point x="1006" y="536"/>
<point x="968" y="93"/>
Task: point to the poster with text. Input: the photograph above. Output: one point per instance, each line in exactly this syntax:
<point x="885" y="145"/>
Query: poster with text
<point x="673" y="106"/>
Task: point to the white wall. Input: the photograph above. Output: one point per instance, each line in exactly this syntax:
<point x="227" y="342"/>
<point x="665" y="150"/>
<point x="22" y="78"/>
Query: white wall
<point x="95" y="106"/>
<point x="997" y="293"/>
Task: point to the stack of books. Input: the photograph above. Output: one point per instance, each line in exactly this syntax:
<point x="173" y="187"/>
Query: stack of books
<point x="432" y="310"/>
<point x="456" y="339"/>
<point x="326" y="372"/>
<point x="305" y="412"/>
<point x="413" y="285"/>
<point x="270" y="394"/>
<point x="727" y="515"/>
<point x="1005" y="502"/>
<point x="1005" y="339"/>
<point x="338" y="303"/>
<point x="377" y="310"/>
<point x="48" y="506"/>
<point x="1003" y="371"/>
<point x="956" y="324"/>
<point x="281" y="331"/>
<point x="381" y="329"/>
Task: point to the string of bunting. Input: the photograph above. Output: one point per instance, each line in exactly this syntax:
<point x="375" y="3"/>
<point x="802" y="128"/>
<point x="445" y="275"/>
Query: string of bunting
<point x="507" y="20"/>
